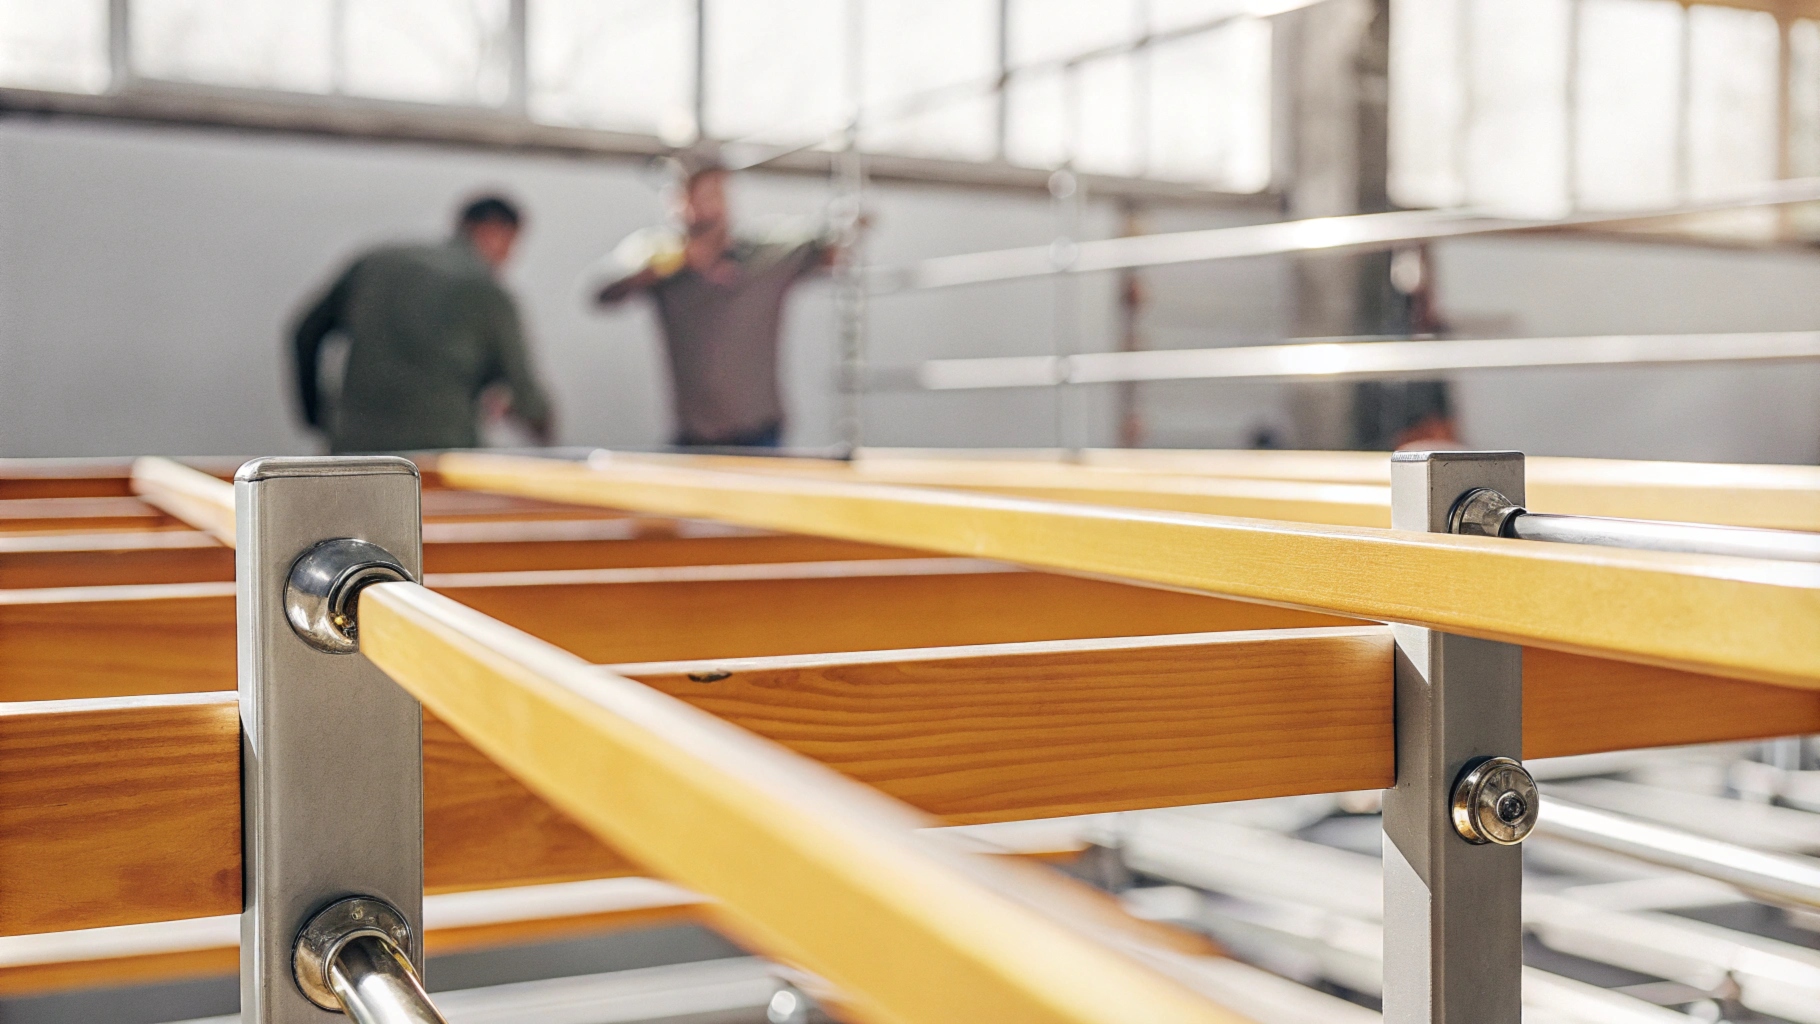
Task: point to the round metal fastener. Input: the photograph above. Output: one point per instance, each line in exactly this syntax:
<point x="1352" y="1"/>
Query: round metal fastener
<point x="321" y="596"/>
<point x="1495" y="801"/>
<point x="333" y="927"/>
<point x="1483" y="512"/>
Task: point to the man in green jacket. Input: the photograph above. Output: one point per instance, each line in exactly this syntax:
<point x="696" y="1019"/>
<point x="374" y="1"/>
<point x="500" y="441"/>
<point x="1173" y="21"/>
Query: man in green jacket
<point x="429" y="329"/>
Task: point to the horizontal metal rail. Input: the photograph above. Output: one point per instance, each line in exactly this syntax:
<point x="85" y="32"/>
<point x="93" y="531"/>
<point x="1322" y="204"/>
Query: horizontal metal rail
<point x="1349" y="360"/>
<point x="1487" y="513"/>
<point x="1696" y="538"/>
<point x="1775" y="877"/>
<point x="802" y="863"/>
<point x="1720" y="616"/>
<point x="1359" y="231"/>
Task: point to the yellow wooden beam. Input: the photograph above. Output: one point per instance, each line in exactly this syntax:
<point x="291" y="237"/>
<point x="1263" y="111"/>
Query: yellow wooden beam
<point x="202" y="501"/>
<point x="1724" y="616"/>
<point x="805" y="865"/>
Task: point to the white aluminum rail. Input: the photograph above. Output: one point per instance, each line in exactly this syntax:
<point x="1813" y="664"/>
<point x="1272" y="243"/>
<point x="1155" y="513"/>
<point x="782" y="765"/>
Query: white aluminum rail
<point x="1358" y="231"/>
<point x="1352" y="359"/>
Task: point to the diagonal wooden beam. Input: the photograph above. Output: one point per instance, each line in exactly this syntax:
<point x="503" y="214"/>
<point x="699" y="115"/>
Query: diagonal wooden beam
<point x="805" y="865"/>
<point x="196" y="498"/>
<point x="1726" y="616"/>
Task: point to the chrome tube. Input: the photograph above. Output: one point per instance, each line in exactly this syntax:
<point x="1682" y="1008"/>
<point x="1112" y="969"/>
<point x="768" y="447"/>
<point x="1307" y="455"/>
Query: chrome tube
<point x="1774" y="877"/>
<point x="376" y="985"/>
<point x="1693" y="538"/>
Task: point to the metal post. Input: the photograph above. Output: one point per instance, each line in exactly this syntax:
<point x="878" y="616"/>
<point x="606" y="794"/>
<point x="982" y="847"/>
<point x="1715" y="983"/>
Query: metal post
<point x="1453" y="949"/>
<point x="332" y="749"/>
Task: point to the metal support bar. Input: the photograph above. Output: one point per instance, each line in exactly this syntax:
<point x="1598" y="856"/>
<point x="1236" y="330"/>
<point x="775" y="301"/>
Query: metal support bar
<point x="1489" y="513"/>
<point x="1453" y="951"/>
<point x="1774" y="877"/>
<point x="332" y="756"/>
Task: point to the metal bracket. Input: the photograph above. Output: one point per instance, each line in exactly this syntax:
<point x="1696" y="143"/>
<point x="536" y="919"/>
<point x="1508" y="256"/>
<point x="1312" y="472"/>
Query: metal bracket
<point x="332" y="748"/>
<point x="1453" y="938"/>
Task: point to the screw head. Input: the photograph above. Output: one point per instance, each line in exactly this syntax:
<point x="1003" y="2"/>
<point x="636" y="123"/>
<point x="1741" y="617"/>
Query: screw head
<point x="1495" y="801"/>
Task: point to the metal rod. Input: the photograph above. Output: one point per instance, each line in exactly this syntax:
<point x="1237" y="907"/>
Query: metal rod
<point x="1489" y="513"/>
<point x="376" y="984"/>
<point x="1691" y="538"/>
<point x="1357" y="231"/>
<point x="1351" y="359"/>
<point x="1775" y="877"/>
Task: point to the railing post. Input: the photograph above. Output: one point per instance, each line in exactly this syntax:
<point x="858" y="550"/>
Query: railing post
<point x="332" y="749"/>
<point x="1453" y="938"/>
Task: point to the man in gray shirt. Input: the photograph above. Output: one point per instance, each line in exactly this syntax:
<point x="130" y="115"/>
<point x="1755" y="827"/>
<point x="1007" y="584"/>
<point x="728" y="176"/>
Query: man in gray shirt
<point x="720" y="301"/>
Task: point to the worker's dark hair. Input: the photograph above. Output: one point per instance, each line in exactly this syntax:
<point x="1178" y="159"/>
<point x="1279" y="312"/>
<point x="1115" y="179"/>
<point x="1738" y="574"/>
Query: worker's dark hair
<point x="490" y="209"/>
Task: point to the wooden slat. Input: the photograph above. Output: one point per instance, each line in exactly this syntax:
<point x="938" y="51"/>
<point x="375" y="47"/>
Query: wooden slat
<point x="76" y="642"/>
<point x="1726" y="616"/>
<point x="805" y="608"/>
<point x="802" y="864"/>
<point x="102" y="641"/>
<point x="119" y="811"/>
<point x="81" y="515"/>
<point x="126" y="810"/>
<point x="971" y="734"/>
<point x="1017" y="731"/>
<point x="102" y="560"/>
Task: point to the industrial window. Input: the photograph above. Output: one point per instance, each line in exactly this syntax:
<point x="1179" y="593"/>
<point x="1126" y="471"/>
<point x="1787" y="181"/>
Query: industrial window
<point x="1539" y="107"/>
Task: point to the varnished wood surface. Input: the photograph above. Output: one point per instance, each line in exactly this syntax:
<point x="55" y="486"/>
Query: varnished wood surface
<point x="103" y="641"/>
<point x="127" y="810"/>
<point x="81" y="515"/>
<point x="971" y="734"/>
<point x="119" y="811"/>
<point x="1736" y="617"/>
<point x="1019" y="731"/>
<point x="103" y="560"/>
<point x="801" y="863"/>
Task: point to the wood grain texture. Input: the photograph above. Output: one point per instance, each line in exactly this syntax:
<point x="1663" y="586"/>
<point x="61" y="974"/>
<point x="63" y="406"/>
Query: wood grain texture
<point x="75" y="642"/>
<point x="118" y="811"/>
<point x="1734" y="617"/>
<point x="104" y="641"/>
<point x="806" y="865"/>
<point x="483" y="829"/>
<point x="82" y="515"/>
<point x="775" y="614"/>
<point x="970" y="734"/>
<point x="1021" y="731"/>
<point x="104" y="560"/>
<point x="1579" y="705"/>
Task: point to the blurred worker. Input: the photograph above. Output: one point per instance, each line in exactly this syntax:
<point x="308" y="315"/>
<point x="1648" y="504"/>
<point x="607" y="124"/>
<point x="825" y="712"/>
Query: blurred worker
<point x="429" y="329"/>
<point x="720" y="300"/>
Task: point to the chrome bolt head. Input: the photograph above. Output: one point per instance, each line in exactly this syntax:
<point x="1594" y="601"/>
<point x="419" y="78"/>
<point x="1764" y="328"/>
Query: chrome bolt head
<point x="322" y="593"/>
<point x="1495" y="801"/>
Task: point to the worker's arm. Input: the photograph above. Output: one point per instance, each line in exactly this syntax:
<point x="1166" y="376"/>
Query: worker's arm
<point x="315" y="325"/>
<point x="614" y="292"/>
<point x="514" y="364"/>
<point x="636" y="264"/>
